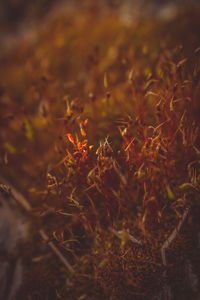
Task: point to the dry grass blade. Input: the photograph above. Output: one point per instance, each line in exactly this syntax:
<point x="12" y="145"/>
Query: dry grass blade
<point x="173" y="235"/>
<point x="124" y="234"/>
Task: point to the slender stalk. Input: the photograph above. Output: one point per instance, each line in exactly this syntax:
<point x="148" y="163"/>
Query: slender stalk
<point x="172" y="236"/>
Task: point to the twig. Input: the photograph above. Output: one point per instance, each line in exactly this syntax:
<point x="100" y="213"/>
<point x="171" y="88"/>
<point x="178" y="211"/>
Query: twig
<point x="173" y="235"/>
<point x="18" y="196"/>
<point x="24" y="203"/>
<point x="56" y="251"/>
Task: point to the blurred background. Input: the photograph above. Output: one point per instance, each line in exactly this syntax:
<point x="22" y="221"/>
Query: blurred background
<point x="13" y="13"/>
<point x="19" y="17"/>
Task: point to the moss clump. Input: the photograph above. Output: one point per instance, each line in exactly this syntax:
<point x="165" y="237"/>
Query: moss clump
<point x="107" y="113"/>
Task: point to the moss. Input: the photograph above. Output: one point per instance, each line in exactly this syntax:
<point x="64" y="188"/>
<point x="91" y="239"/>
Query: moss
<point x="106" y="135"/>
